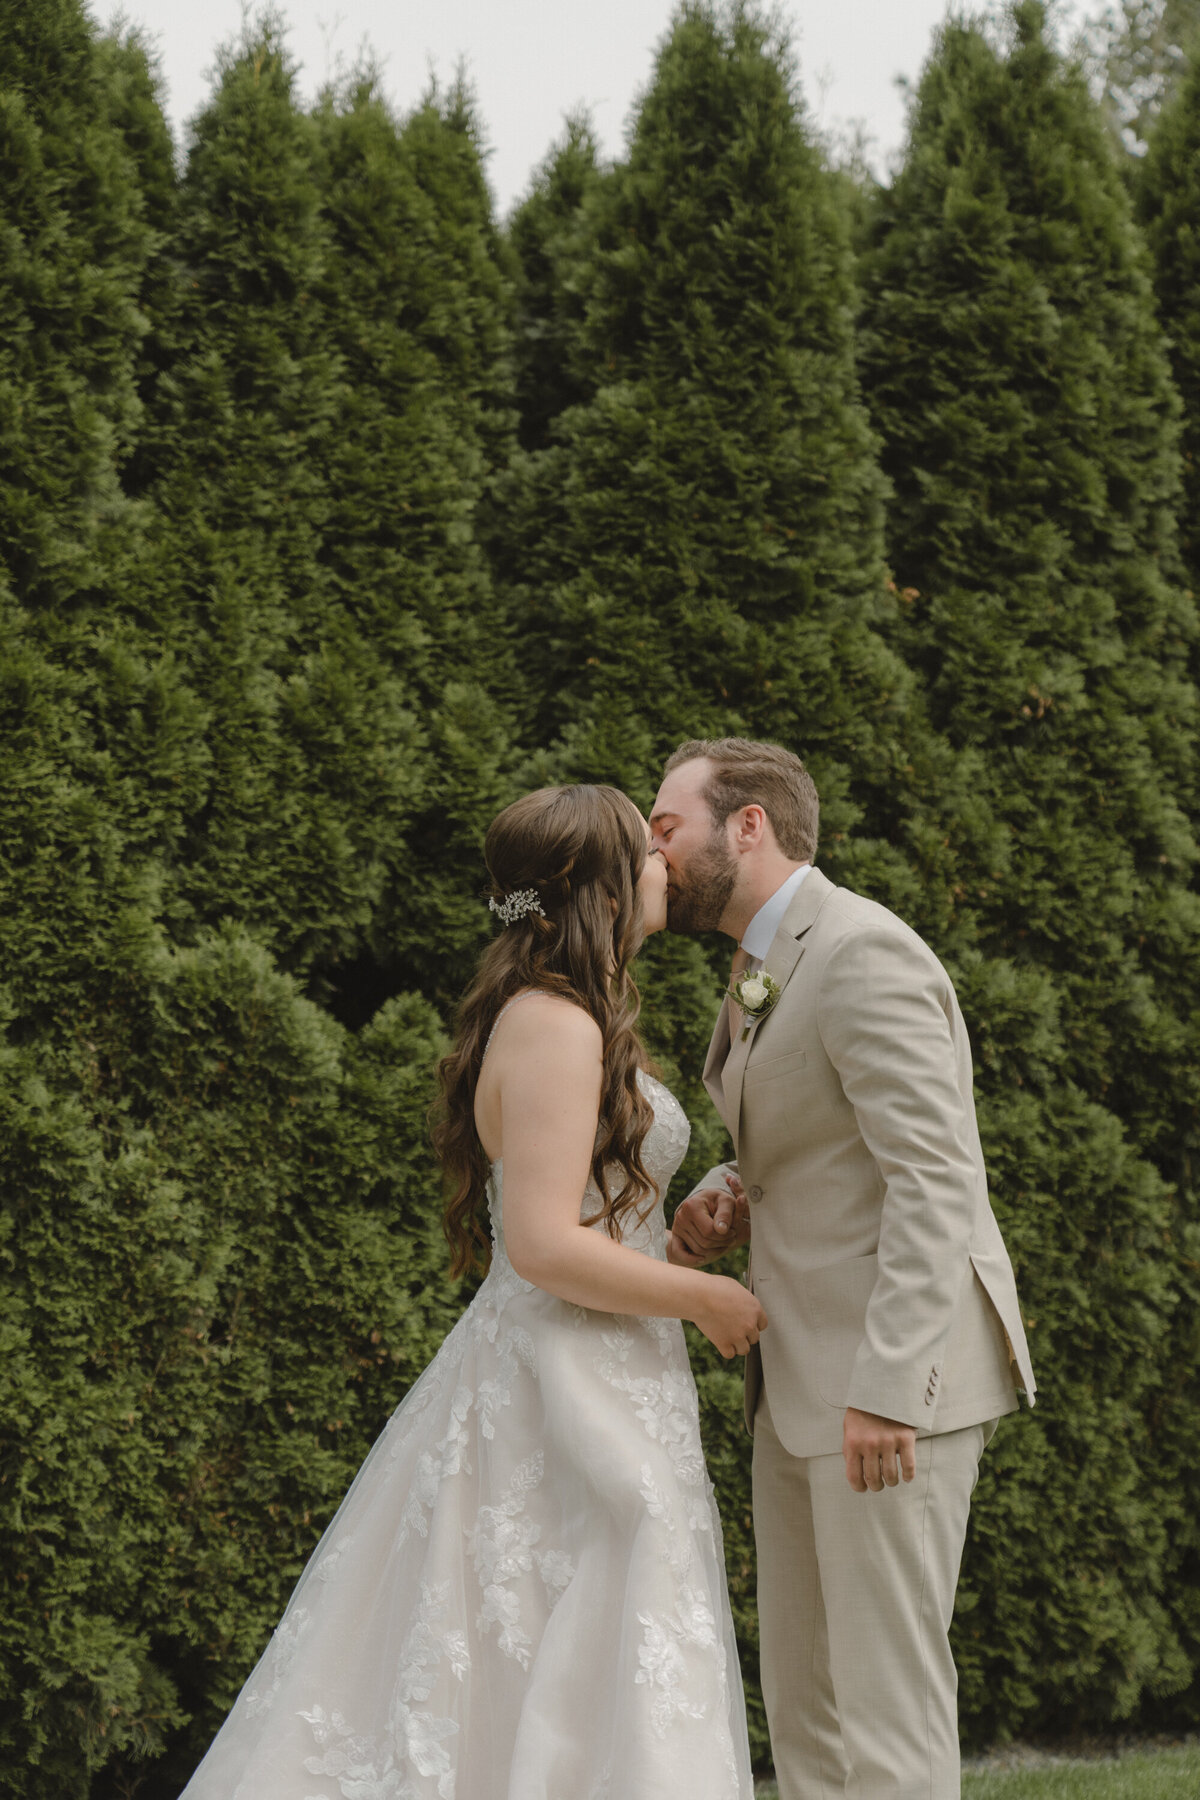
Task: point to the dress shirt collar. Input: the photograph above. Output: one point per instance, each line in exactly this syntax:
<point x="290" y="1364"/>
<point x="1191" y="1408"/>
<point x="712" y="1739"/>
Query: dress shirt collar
<point x="759" y="934"/>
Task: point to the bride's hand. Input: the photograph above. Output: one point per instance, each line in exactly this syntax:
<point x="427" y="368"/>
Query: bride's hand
<point x="731" y="1317"/>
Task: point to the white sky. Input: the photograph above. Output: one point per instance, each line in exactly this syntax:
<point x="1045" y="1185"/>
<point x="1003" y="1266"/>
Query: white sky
<point x="532" y="61"/>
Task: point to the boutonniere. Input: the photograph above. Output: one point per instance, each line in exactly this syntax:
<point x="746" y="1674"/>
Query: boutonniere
<point x="756" y="994"/>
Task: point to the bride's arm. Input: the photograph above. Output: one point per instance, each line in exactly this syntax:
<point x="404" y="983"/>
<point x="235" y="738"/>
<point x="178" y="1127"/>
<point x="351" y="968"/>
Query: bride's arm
<point x="549" y="1084"/>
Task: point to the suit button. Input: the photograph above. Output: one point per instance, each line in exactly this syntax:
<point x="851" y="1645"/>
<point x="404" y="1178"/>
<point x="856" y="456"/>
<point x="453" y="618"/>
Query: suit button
<point x="754" y="1193"/>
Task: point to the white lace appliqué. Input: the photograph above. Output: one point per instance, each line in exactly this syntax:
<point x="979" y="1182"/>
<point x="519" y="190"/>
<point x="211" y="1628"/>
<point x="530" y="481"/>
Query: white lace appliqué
<point x="663" y="1663"/>
<point x="418" y="1742"/>
<point x="501" y="1545"/>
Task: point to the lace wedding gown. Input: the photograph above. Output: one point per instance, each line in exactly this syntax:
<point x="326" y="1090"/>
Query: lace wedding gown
<point x="522" y="1596"/>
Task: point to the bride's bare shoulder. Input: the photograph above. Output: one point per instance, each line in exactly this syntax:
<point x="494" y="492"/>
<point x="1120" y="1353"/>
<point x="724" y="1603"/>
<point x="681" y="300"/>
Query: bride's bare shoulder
<point x="550" y="1015"/>
<point x="544" y="1029"/>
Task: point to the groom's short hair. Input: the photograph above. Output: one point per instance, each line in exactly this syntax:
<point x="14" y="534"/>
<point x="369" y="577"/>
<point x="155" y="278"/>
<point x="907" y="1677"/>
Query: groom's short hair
<point x="742" y="772"/>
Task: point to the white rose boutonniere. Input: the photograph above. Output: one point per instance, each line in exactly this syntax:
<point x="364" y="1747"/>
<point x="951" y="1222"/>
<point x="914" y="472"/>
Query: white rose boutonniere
<point x="756" y="994"/>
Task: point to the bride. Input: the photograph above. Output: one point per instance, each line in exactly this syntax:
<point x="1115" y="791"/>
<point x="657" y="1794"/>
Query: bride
<point x="522" y="1596"/>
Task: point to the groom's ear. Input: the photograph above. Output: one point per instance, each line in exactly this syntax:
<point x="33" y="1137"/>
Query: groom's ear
<point x="750" y="826"/>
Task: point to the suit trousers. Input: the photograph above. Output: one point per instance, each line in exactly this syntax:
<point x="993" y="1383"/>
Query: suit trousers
<point x="855" y="1597"/>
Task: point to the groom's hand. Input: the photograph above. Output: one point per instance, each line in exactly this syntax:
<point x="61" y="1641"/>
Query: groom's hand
<point x="878" y="1452"/>
<point x="707" y="1224"/>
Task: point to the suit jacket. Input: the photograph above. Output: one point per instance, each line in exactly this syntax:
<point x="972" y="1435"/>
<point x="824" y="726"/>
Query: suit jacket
<point x="874" y="1248"/>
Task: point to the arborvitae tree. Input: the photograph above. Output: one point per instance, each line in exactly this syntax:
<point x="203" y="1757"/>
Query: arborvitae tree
<point x="129" y="76"/>
<point x="336" y="630"/>
<point x="298" y="719"/>
<point x="1018" y="376"/>
<point x="699" y="546"/>
<point x="75" y="247"/>
<point x="544" y="236"/>
<point x="417" y="311"/>
<point x="1168" y="201"/>
<point x="443" y="142"/>
<point x="415" y="305"/>
<point x="1168" y="196"/>
<point x="76" y="242"/>
<point x="333" y="401"/>
<point x="218" y="1264"/>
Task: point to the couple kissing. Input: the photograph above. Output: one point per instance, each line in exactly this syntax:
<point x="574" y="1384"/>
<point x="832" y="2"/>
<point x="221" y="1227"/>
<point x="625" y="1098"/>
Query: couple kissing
<point x="522" y="1596"/>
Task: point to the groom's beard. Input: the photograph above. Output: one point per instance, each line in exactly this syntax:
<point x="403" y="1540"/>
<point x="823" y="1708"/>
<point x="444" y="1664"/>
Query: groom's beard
<point x="696" y="901"/>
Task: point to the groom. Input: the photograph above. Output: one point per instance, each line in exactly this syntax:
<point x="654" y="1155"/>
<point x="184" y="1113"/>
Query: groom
<point x="895" y="1338"/>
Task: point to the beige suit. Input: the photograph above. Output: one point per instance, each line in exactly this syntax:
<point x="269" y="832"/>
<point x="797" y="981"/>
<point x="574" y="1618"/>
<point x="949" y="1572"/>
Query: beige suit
<point x="879" y="1262"/>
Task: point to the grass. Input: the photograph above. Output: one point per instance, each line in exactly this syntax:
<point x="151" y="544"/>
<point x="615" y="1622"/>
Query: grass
<point x="1170" y="1774"/>
<point x="1140" y="1775"/>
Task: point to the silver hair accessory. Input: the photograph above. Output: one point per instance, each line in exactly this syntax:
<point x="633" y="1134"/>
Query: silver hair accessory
<point x="516" y="905"/>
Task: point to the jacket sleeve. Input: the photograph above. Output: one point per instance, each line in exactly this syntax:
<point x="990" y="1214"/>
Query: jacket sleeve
<point x="883" y="1014"/>
<point x="716" y="1178"/>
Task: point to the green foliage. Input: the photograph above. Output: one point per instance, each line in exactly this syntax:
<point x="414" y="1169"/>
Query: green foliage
<point x="1168" y="198"/>
<point x="74" y="245"/>
<point x="297" y="713"/>
<point x="253" y="724"/>
<point x="416" y="304"/>
<point x="547" y="236"/>
<point x="1168" y="195"/>
<point x="1019" y="380"/>
<point x="333" y="395"/>
<point x="226" y="1204"/>
<point x="716" y="487"/>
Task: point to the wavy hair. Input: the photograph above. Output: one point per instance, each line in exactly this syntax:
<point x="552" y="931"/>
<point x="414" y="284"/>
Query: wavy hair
<point x="746" y="772"/>
<point x="581" y="850"/>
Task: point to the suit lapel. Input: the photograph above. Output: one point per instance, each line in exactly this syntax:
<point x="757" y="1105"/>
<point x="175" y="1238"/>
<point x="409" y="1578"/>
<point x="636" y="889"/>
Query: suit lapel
<point x="781" y="962"/>
<point x="718" y="1050"/>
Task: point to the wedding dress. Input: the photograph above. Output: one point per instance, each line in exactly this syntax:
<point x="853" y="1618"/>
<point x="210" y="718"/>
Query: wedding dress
<point x="522" y="1596"/>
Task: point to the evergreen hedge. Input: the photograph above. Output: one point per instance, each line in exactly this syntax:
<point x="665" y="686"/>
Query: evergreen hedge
<point x="1018" y="376"/>
<point x="1168" y="204"/>
<point x="254" y="711"/>
<point x="330" y="518"/>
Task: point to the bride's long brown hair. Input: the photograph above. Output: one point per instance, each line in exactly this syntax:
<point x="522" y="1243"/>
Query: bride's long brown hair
<point x="581" y="850"/>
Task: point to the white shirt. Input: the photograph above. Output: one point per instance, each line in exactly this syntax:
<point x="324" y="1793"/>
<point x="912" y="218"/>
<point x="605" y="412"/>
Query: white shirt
<point x="759" y="934"/>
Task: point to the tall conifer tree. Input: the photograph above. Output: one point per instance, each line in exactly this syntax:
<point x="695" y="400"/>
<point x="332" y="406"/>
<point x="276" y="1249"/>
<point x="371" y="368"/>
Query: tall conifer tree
<point x="417" y="308"/>
<point x="74" y="1666"/>
<point x="544" y="235"/>
<point x="1168" y="197"/>
<point x="76" y="245"/>
<point x="699" y="546"/>
<point x="334" y="395"/>
<point x="300" y="717"/>
<point x="217" y="1256"/>
<point x="1017" y="374"/>
<point x="1168" y="201"/>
